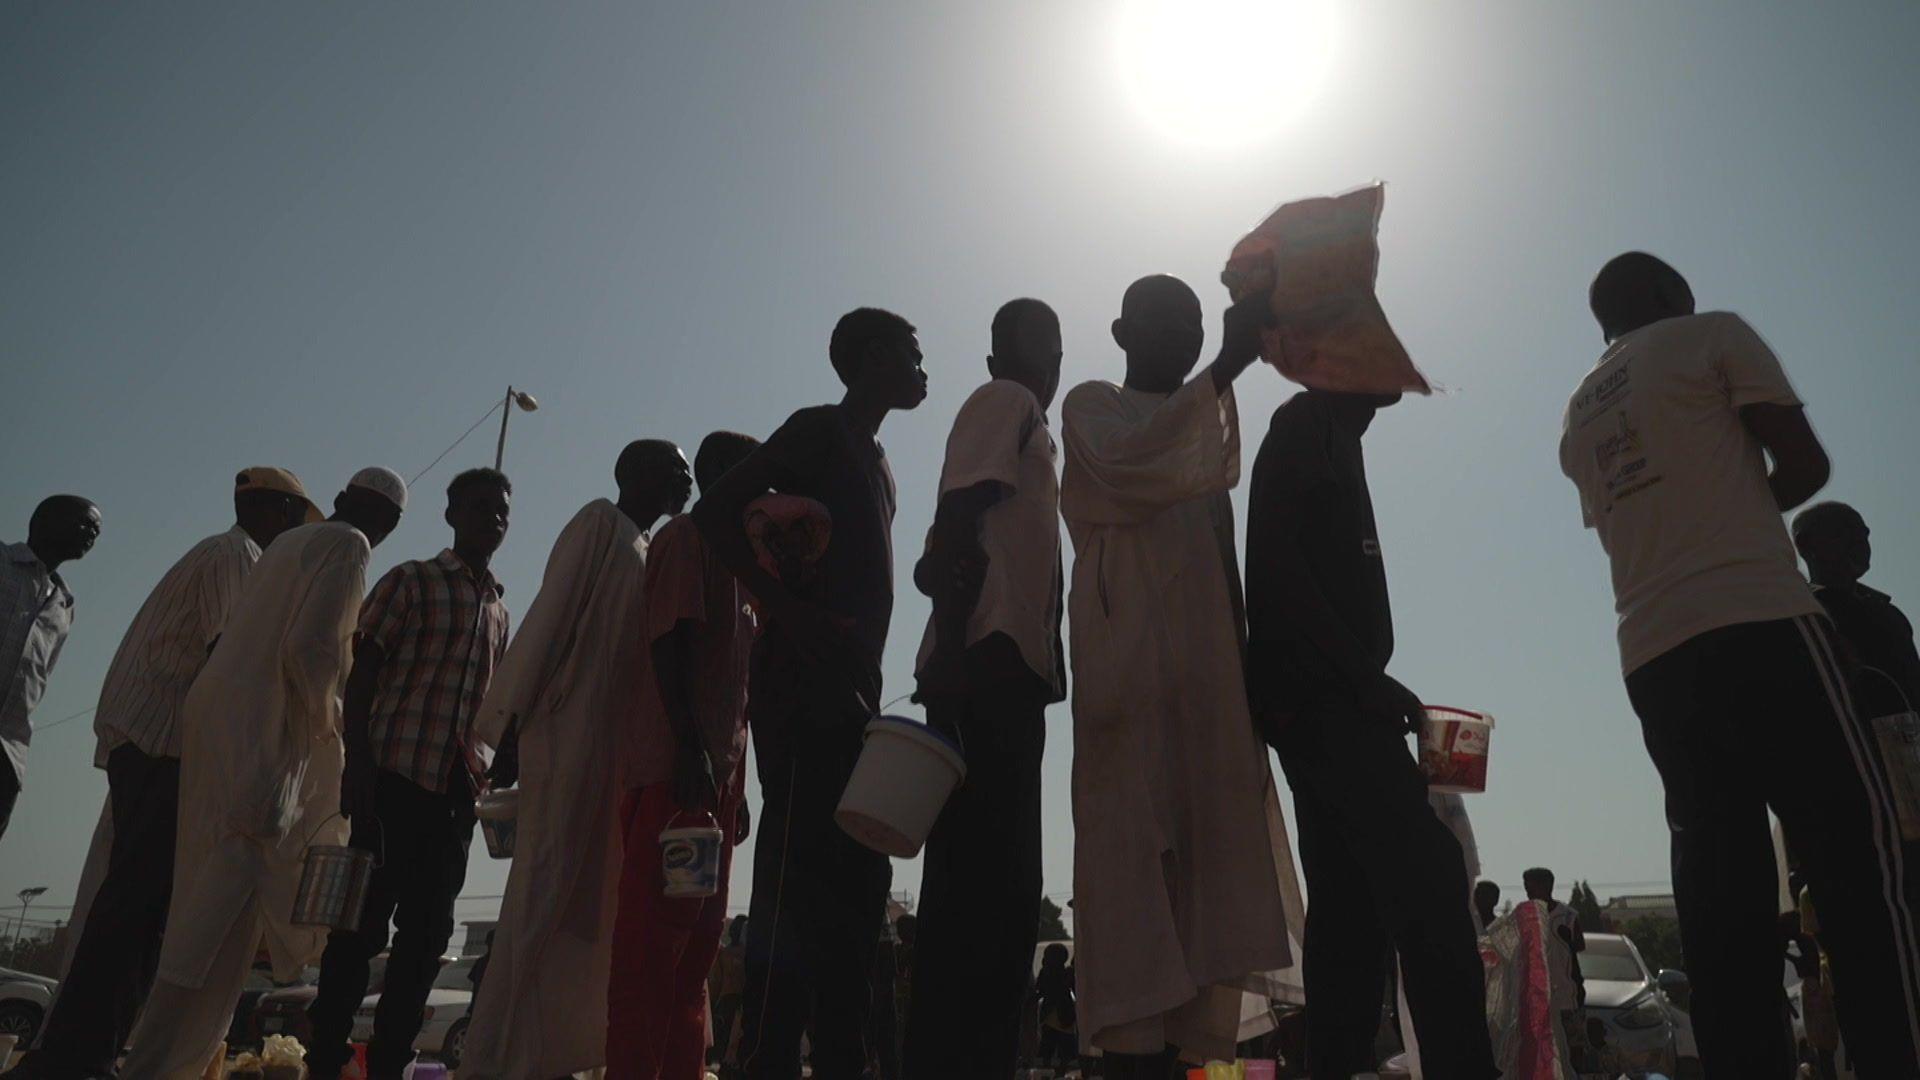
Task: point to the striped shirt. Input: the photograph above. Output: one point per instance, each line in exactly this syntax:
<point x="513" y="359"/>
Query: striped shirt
<point x="442" y="630"/>
<point x="36" y="611"/>
<point x="166" y="646"/>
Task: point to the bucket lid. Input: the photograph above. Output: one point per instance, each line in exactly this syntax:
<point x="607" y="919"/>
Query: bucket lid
<point x="1447" y="712"/>
<point x="926" y="736"/>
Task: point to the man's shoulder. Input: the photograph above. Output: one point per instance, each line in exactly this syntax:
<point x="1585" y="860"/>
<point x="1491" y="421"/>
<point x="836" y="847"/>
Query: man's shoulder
<point x="679" y="538"/>
<point x="1004" y="394"/>
<point x="1095" y="395"/>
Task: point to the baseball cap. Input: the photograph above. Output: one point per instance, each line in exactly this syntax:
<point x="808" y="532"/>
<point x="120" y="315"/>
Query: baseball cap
<point x="268" y="478"/>
<point x="383" y="482"/>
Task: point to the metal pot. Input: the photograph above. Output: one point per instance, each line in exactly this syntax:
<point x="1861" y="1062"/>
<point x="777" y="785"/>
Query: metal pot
<point x="334" y="882"/>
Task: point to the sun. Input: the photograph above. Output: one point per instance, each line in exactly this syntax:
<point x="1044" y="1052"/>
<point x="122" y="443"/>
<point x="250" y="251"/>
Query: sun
<point x="1224" y="73"/>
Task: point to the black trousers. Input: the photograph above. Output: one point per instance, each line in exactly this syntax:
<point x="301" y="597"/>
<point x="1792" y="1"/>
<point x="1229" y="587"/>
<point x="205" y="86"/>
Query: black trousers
<point x="1382" y="872"/>
<point x="424" y="865"/>
<point x="819" y="902"/>
<point x="1738" y="720"/>
<point x="119" y="948"/>
<point x="979" y="910"/>
<point x="9" y="793"/>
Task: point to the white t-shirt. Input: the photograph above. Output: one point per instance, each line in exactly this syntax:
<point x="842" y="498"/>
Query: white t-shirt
<point x="1001" y="435"/>
<point x="1676" y="485"/>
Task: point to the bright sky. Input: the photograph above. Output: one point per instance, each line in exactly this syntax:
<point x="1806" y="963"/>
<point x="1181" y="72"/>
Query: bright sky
<point x="327" y="236"/>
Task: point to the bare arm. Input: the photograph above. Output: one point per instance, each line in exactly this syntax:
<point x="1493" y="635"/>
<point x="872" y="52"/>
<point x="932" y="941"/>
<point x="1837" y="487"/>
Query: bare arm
<point x="694" y="783"/>
<point x="956" y="540"/>
<point x="1240" y="340"/>
<point x="356" y="783"/>
<point x="1800" y="463"/>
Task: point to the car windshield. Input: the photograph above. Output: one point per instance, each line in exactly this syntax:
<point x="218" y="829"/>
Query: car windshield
<point x="1610" y="960"/>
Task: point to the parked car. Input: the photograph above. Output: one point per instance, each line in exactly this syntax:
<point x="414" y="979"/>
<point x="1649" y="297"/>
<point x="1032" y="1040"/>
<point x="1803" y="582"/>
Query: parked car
<point x="443" y="1028"/>
<point x="24" y="1000"/>
<point x="1644" y="1029"/>
<point x="284" y="1011"/>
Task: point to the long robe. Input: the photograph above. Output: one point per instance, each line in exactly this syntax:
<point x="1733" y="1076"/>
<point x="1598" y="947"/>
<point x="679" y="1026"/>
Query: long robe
<point x="1176" y="893"/>
<point x="261" y="760"/>
<point x="260" y="768"/>
<point x="570" y="676"/>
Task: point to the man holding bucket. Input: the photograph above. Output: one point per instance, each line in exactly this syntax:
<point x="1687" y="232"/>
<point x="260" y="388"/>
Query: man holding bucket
<point x="260" y="769"/>
<point x="561" y="710"/>
<point x="430" y="636"/>
<point x="818" y="893"/>
<point x="1686" y="442"/>
<point x="990" y="664"/>
<point x="685" y="803"/>
<point x="1382" y="870"/>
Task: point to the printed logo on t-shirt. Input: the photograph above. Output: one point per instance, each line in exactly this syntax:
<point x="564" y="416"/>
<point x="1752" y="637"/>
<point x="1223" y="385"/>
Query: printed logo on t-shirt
<point x="1370" y="548"/>
<point x="1623" y="463"/>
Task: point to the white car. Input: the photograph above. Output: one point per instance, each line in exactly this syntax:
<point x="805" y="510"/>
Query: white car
<point x="443" y="1029"/>
<point x="24" y="1000"/>
<point x="1645" y="1030"/>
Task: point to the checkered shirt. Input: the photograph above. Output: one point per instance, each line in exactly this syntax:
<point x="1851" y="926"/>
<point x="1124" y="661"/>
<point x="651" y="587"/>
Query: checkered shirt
<point x="443" y="630"/>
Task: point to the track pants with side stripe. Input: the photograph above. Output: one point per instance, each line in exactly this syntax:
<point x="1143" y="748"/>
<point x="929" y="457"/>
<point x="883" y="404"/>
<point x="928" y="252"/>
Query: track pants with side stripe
<point x="1757" y="716"/>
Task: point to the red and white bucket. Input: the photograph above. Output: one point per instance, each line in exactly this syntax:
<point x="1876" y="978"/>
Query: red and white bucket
<point x="1453" y="750"/>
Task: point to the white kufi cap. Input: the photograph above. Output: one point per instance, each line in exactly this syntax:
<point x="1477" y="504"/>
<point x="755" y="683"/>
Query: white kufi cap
<point x="383" y="482"/>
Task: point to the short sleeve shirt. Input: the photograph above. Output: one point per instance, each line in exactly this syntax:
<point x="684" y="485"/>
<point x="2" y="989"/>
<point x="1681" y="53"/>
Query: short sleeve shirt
<point x="1309" y="484"/>
<point x="443" y="630"/>
<point x="817" y="454"/>
<point x="1000" y="436"/>
<point x="36" y="612"/>
<point x="687" y="583"/>
<point x="1676" y="485"/>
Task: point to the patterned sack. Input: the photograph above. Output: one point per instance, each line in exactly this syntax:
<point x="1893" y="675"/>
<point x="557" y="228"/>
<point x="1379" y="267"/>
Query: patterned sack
<point x="1317" y="260"/>
<point x="1528" y="1043"/>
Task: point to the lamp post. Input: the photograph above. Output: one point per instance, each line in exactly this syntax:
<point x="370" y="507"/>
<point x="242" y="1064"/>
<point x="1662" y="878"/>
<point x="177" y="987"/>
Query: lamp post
<point x="526" y="403"/>
<point x="27" y="896"/>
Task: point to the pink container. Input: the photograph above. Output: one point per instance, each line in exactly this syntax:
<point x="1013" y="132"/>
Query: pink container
<point x="1453" y="750"/>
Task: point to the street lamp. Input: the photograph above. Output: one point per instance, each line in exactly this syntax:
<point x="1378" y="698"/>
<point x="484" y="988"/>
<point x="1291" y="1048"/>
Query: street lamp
<point x="27" y="896"/>
<point x="526" y="403"/>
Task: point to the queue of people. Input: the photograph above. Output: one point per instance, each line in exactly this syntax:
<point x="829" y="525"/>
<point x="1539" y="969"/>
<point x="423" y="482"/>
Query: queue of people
<point x="260" y="703"/>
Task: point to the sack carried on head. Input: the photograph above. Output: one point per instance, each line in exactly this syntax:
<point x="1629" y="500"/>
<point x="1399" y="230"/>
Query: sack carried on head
<point x="1317" y="260"/>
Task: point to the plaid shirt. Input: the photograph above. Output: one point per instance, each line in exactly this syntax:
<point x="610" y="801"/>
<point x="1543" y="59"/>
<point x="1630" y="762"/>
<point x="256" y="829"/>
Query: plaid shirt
<point x="443" y="631"/>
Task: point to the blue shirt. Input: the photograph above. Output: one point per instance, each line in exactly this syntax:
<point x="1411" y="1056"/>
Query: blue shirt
<point x="36" y="611"/>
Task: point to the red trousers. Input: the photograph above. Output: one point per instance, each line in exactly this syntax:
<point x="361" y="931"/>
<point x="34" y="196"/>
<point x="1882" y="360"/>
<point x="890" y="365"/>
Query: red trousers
<point x="663" y="949"/>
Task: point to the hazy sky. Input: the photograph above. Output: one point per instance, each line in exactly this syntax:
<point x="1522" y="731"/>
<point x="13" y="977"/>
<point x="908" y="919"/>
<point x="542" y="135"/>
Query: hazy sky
<point x="323" y="236"/>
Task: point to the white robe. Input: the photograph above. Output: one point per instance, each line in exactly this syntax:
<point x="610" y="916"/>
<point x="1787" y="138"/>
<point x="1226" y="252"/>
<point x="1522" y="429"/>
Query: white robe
<point x="259" y="778"/>
<point x="571" y="676"/>
<point x="1177" y="899"/>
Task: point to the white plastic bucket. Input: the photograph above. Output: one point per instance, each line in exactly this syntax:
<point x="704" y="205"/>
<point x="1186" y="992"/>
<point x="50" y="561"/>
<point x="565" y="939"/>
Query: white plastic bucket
<point x="690" y="858"/>
<point x="1453" y="750"/>
<point x="905" y="773"/>
<point x="499" y="814"/>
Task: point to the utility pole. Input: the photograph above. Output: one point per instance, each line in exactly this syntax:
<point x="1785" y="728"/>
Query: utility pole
<point x="27" y="896"/>
<point x="526" y="403"/>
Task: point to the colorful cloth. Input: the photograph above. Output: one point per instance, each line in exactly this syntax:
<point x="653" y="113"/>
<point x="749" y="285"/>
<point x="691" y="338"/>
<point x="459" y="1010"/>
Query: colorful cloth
<point x="1317" y="260"/>
<point x="1528" y="1043"/>
<point x="443" y="629"/>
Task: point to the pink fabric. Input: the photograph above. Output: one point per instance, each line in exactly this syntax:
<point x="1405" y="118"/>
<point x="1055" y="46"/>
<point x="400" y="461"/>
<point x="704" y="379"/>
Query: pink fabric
<point x="687" y="583"/>
<point x="1317" y="259"/>
<point x="662" y="951"/>
<point x="788" y="532"/>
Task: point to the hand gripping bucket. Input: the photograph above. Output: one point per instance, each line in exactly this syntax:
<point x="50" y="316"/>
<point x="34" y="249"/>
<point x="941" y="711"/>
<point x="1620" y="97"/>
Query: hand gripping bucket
<point x="1453" y="750"/>
<point x="905" y="773"/>
<point x="690" y="858"/>
<point x="499" y="814"/>
<point x="333" y="884"/>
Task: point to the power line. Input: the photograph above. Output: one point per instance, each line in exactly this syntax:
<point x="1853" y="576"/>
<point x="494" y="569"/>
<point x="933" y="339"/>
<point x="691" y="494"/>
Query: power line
<point x="64" y="719"/>
<point x="456" y="443"/>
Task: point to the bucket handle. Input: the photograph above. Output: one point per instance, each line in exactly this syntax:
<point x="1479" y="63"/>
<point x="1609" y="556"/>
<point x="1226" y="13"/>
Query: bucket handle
<point x="675" y="816"/>
<point x="379" y="857"/>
